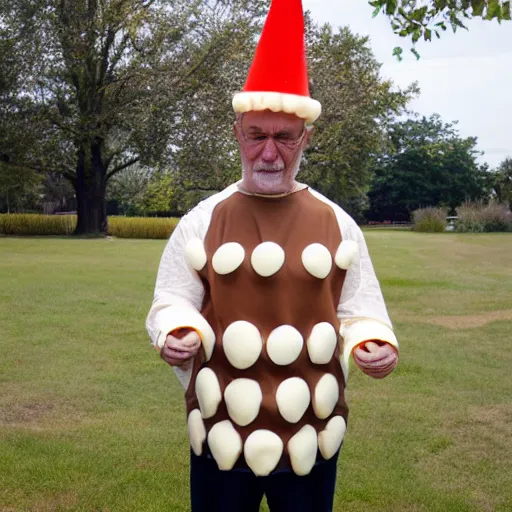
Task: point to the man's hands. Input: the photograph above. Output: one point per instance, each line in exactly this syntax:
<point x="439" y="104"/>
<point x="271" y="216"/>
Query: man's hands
<point x="180" y="347"/>
<point x="376" y="359"/>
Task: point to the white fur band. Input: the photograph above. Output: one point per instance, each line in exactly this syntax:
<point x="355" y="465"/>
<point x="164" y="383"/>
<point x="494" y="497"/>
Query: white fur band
<point x="302" y="106"/>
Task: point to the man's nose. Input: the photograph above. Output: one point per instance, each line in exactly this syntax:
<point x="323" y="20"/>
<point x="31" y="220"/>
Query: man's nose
<point x="269" y="153"/>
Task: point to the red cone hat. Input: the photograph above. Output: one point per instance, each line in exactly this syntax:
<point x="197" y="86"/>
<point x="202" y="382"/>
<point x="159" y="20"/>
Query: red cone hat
<point x="278" y="78"/>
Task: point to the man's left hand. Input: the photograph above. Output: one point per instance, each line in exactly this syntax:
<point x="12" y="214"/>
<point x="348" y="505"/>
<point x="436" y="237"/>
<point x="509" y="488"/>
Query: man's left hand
<point x="376" y="359"/>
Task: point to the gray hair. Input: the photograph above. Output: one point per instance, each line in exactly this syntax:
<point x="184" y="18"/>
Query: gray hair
<point x="239" y="116"/>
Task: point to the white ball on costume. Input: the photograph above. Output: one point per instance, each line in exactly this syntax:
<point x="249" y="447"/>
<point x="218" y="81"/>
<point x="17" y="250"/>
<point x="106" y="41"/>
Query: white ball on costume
<point x="243" y="400"/>
<point x="195" y="255"/>
<point x="293" y="398"/>
<point x="326" y="396"/>
<point x="208" y="392"/>
<point x="330" y="439"/>
<point x="267" y="259"/>
<point x="262" y="451"/>
<point x="322" y="343"/>
<point x="317" y="260"/>
<point x="225" y="444"/>
<point x="284" y="345"/>
<point x="196" y="431"/>
<point x="242" y="344"/>
<point x="302" y="448"/>
<point x="346" y="254"/>
<point x="228" y="257"/>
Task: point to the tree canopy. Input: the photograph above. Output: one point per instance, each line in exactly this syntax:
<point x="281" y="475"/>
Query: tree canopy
<point x="502" y="182"/>
<point x="358" y="104"/>
<point x="357" y="107"/>
<point x="427" y="164"/>
<point x="92" y="87"/>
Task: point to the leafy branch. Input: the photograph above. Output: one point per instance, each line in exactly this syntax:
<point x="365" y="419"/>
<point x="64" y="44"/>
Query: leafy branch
<point x="415" y="20"/>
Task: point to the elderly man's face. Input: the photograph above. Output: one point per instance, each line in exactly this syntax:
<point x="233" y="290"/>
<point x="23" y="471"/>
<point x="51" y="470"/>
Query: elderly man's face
<point x="271" y="146"/>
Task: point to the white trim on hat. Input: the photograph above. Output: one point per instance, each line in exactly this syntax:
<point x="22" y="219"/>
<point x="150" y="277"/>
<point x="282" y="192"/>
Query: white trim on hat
<point x="302" y="106"/>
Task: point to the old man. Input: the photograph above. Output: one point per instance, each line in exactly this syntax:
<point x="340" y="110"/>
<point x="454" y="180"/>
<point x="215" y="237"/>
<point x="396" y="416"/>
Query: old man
<point x="264" y="294"/>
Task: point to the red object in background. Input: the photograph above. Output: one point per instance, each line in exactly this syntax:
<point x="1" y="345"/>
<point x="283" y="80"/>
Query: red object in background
<point x="279" y="63"/>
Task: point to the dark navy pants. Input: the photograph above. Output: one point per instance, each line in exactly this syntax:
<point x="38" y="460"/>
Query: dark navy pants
<point x="213" y="490"/>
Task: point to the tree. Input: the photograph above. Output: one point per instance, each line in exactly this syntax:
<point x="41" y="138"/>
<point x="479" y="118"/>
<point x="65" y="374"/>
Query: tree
<point x="100" y="84"/>
<point x="127" y="190"/>
<point x="357" y="105"/>
<point x="427" y="164"/>
<point x="424" y="20"/>
<point x="502" y="182"/>
<point x="57" y="193"/>
<point x="18" y="191"/>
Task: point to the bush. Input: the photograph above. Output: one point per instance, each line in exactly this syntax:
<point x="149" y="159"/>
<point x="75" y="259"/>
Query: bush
<point x="483" y="218"/>
<point x="33" y="224"/>
<point x="141" y="227"/>
<point x="25" y="224"/>
<point x="429" y="220"/>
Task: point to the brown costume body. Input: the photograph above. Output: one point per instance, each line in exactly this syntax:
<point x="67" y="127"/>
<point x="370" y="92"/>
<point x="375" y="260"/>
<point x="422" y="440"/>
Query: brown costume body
<point x="292" y="296"/>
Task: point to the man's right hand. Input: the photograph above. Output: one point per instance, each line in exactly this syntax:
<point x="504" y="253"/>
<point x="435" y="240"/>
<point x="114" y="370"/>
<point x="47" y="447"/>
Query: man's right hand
<point x="180" y="347"/>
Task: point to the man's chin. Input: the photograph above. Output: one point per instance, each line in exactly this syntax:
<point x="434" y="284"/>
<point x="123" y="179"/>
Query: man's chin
<point x="269" y="182"/>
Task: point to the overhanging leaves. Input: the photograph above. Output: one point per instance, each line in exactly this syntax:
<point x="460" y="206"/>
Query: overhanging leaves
<point x="408" y="20"/>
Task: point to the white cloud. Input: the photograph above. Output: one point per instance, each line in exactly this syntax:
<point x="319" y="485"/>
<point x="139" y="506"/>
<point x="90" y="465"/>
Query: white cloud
<point x="465" y="76"/>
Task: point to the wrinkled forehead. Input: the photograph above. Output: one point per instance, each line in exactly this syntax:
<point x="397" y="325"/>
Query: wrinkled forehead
<point x="270" y="122"/>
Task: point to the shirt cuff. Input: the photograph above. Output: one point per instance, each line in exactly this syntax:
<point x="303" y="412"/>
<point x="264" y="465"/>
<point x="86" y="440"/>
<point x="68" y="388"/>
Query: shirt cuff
<point x="175" y="317"/>
<point x="359" y="331"/>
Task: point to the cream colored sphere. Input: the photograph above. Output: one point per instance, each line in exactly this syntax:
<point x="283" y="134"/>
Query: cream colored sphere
<point x="242" y="344"/>
<point x="326" y="396"/>
<point x="267" y="259"/>
<point x="302" y="448"/>
<point x="227" y="258"/>
<point x="330" y="439"/>
<point x="243" y="399"/>
<point x="262" y="451"/>
<point x="317" y="260"/>
<point x="208" y="392"/>
<point x="284" y="345"/>
<point x="293" y="398"/>
<point x="322" y="343"/>
<point x="346" y="254"/>
<point x="225" y="444"/>
<point x="195" y="255"/>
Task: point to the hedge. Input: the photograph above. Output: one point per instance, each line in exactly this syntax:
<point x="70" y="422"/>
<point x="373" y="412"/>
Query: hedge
<point x="29" y="224"/>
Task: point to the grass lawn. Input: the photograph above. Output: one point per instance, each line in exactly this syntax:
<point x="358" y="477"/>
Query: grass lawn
<point x="92" y="420"/>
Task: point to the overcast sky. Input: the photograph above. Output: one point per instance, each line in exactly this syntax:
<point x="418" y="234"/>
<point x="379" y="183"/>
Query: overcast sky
<point x="466" y="76"/>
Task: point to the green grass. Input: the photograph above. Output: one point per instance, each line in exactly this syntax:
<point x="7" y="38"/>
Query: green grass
<point x="92" y="420"/>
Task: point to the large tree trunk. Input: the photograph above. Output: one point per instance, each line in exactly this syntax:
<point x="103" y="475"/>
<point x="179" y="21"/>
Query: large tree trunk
<point x="90" y="188"/>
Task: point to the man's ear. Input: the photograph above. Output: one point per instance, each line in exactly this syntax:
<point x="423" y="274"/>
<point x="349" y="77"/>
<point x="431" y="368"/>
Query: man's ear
<point x="307" y="137"/>
<point x="235" y="130"/>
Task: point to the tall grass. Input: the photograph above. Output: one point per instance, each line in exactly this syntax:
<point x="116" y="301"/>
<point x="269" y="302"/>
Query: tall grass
<point x="27" y="224"/>
<point x="429" y="220"/>
<point x="141" y="227"/>
<point x="483" y="218"/>
<point x="33" y="224"/>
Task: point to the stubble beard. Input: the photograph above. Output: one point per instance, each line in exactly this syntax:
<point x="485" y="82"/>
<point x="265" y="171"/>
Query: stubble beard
<point x="270" y="178"/>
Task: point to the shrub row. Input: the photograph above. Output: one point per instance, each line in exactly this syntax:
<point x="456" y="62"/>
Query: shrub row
<point x="141" y="227"/>
<point x="27" y="224"/>
<point x="471" y="218"/>
<point x="32" y="224"/>
<point x="429" y="220"/>
<point x="483" y="218"/>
